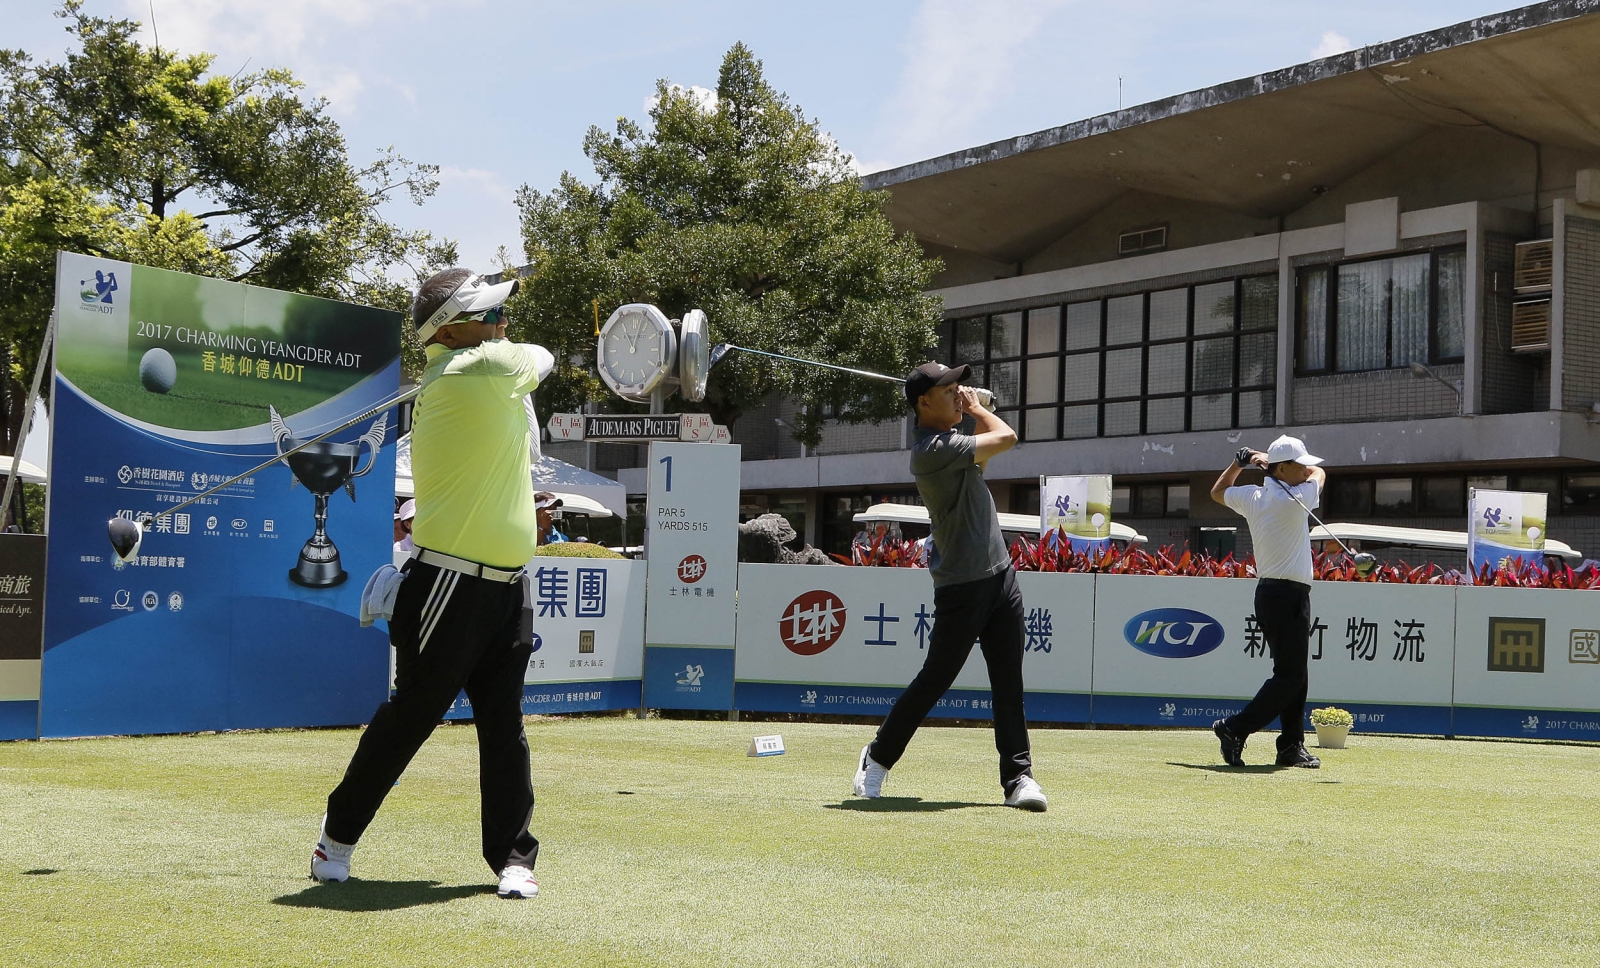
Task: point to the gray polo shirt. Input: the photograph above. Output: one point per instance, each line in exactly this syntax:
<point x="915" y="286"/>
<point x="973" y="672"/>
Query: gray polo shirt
<point x="967" y="545"/>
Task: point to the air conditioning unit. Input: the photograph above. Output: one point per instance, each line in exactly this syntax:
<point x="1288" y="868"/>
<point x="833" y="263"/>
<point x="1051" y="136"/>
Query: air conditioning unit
<point x="1139" y="241"/>
<point x="1535" y="266"/>
<point x="1530" y="326"/>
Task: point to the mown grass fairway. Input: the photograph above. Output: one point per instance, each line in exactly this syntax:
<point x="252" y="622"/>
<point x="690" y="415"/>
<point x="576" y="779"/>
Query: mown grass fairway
<point x="665" y="845"/>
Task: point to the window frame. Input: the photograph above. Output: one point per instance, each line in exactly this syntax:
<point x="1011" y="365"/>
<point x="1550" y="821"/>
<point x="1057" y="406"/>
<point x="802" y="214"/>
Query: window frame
<point x="1330" y="310"/>
<point x="1019" y="413"/>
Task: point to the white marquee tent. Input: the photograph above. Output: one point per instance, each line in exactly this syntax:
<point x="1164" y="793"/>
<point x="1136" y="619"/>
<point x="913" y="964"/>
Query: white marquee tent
<point x="581" y="491"/>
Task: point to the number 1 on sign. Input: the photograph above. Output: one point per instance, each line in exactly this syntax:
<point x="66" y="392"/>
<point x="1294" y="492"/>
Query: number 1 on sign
<point x="667" y="460"/>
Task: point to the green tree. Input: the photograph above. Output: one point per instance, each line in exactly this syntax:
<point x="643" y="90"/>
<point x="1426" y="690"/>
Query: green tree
<point x="748" y="210"/>
<point x="143" y="154"/>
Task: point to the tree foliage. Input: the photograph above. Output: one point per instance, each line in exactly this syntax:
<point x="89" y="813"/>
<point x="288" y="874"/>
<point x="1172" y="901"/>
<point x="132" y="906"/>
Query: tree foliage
<point x="144" y="154"/>
<point x="746" y="209"/>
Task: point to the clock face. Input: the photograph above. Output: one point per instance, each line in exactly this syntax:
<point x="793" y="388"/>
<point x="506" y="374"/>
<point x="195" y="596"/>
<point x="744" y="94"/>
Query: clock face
<point x="637" y="350"/>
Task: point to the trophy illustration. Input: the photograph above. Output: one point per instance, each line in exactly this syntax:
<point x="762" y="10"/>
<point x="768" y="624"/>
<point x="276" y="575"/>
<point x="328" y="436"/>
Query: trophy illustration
<point x="322" y="467"/>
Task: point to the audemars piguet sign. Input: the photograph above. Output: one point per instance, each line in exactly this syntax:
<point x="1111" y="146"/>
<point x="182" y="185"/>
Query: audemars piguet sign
<point x="22" y="561"/>
<point x="631" y="427"/>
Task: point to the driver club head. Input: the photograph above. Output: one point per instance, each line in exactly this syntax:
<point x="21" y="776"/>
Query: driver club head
<point x="126" y="536"/>
<point x="1365" y="563"/>
<point x="717" y="353"/>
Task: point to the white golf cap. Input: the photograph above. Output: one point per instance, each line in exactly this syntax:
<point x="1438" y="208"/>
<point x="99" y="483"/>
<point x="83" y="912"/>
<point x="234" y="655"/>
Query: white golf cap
<point x="407" y="510"/>
<point x="1287" y="448"/>
<point x="474" y="295"/>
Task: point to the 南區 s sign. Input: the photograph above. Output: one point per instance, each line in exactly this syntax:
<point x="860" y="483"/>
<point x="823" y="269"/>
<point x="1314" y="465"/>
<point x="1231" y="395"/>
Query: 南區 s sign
<point x="1173" y="633"/>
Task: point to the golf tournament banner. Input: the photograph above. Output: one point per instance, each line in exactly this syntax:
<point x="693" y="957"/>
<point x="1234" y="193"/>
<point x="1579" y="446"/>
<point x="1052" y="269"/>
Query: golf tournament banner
<point x="22" y="574"/>
<point x="1505" y="527"/>
<point x="849" y="640"/>
<point x="588" y="637"/>
<point x="692" y="557"/>
<point x="1173" y="651"/>
<point x="1527" y="663"/>
<point x="1078" y="505"/>
<point x="241" y="610"/>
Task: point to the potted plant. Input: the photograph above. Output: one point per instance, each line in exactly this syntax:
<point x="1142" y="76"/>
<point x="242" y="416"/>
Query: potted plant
<point x="1333" y="726"/>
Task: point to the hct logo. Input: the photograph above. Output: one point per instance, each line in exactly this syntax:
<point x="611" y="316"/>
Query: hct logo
<point x="691" y="569"/>
<point x="1173" y="633"/>
<point x="812" y="623"/>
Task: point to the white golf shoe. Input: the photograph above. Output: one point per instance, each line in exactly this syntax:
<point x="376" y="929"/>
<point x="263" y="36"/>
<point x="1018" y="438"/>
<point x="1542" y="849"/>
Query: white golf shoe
<point x="1026" y="795"/>
<point x="869" y="775"/>
<point x="517" y="881"/>
<point x="330" y="860"/>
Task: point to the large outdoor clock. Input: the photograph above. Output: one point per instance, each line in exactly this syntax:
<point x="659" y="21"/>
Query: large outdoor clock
<point x="638" y="351"/>
<point x="694" y="356"/>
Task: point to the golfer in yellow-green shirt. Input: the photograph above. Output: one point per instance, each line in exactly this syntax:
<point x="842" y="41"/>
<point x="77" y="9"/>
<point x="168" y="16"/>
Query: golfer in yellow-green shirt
<point x="459" y="618"/>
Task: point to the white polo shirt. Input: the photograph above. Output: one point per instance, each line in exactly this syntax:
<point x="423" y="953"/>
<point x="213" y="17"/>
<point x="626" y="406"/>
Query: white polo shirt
<point x="1278" y="526"/>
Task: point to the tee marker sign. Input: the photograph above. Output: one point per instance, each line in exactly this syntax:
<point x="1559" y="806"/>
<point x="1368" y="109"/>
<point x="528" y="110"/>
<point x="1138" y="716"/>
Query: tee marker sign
<point x="766" y="746"/>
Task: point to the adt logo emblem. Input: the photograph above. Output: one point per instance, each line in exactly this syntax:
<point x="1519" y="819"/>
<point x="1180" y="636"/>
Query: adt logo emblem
<point x="812" y="623"/>
<point x="99" y="293"/>
<point x="1167" y="711"/>
<point x="1173" y="633"/>
<point x="691" y="676"/>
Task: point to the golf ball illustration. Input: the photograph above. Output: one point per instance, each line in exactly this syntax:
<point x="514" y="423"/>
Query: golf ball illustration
<point x="1533" y="535"/>
<point x="158" y="371"/>
<point x="1099" y="520"/>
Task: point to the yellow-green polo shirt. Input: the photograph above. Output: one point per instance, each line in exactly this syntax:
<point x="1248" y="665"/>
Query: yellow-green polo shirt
<point x="469" y="454"/>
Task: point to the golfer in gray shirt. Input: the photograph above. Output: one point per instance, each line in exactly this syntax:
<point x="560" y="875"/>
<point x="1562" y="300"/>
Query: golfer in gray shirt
<point x="975" y="594"/>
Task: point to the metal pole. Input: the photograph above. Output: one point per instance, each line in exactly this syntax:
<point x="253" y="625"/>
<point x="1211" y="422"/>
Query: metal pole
<point x="27" y="413"/>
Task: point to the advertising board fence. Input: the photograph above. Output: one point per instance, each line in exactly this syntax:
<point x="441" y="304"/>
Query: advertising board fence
<point x="1186" y="651"/>
<point x="22" y="573"/>
<point x="849" y="640"/>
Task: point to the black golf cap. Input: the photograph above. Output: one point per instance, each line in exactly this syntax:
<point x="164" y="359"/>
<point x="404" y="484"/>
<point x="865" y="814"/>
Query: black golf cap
<point x="930" y="375"/>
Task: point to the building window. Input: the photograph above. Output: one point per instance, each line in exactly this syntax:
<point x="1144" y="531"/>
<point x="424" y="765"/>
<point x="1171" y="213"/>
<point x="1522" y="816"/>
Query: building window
<point x="1381" y="313"/>
<point x="1190" y="358"/>
<point x="1582" y="495"/>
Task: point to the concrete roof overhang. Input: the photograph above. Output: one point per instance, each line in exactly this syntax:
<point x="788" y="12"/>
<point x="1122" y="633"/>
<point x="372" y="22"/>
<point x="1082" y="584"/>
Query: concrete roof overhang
<point x="1258" y="145"/>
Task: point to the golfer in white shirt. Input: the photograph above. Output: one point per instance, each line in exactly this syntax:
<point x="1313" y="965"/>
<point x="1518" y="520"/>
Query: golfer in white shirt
<point x="1282" y="538"/>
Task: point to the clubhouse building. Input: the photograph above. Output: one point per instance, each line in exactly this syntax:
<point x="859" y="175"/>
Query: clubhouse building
<point x="1393" y="253"/>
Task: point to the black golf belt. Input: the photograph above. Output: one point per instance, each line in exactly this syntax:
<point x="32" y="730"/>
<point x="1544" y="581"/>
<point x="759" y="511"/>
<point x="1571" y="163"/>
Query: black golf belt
<point x="479" y="570"/>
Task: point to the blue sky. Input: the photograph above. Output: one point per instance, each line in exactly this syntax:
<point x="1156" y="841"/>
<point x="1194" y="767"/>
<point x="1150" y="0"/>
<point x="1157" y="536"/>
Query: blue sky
<point x="500" y="93"/>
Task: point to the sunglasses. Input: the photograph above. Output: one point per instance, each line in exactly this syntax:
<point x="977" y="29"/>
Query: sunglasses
<point x="494" y="317"/>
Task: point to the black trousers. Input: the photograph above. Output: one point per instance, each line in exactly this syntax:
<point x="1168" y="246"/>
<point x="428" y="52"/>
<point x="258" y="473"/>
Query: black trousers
<point x="990" y="611"/>
<point x="450" y="631"/>
<point x="1283" y="610"/>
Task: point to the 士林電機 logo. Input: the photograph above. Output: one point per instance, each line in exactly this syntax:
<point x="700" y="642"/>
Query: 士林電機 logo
<point x="1173" y="633"/>
<point x="812" y="623"/>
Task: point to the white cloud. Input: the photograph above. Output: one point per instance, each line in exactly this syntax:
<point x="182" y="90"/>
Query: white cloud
<point x="477" y="181"/>
<point x="1332" y="43"/>
<point x="703" y="96"/>
<point x="959" y="62"/>
<point x="310" y="37"/>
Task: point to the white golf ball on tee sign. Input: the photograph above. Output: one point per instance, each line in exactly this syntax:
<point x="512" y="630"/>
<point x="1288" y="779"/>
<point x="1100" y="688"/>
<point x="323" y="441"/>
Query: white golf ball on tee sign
<point x="1099" y="520"/>
<point x="158" y="371"/>
<point x="1533" y="535"/>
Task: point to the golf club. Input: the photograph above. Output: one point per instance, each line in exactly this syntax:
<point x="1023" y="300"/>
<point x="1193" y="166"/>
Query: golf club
<point x="1364" y="562"/>
<point x="985" y="396"/>
<point x="127" y="534"/>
